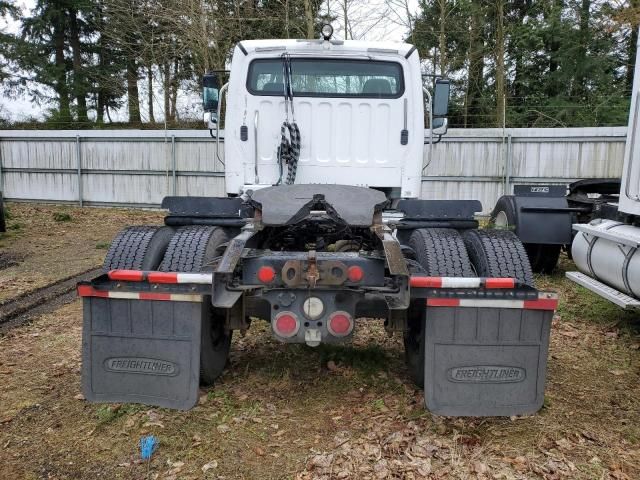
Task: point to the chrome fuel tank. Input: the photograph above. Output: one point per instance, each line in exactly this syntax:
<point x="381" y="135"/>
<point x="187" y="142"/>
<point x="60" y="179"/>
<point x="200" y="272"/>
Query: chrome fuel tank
<point x="607" y="250"/>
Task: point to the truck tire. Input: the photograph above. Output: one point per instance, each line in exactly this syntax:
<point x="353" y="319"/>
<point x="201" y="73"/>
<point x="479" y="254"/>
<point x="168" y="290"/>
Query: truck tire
<point x="193" y="249"/>
<point x="498" y="253"/>
<point x="441" y="252"/>
<point x="138" y="248"/>
<point x="504" y="215"/>
<point x="215" y="345"/>
<point x="542" y="257"/>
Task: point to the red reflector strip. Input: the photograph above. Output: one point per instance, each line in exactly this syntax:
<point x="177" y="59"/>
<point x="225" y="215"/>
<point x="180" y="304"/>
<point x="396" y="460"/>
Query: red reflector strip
<point x="426" y="282"/>
<point x="162" y="277"/>
<point x="541" y="304"/>
<point x="89" y="291"/>
<point x="443" y="302"/>
<point x="499" y="283"/>
<point x="126" y="275"/>
<point x="548" y="303"/>
<point x="154" y="296"/>
<point x="461" y="282"/>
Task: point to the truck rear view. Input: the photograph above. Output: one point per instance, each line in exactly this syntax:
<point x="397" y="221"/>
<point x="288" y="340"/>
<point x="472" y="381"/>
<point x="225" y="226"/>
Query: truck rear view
<point x="322" y="225"/>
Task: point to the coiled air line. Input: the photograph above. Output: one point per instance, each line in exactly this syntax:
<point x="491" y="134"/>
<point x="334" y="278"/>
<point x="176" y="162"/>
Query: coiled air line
<point x="289" y="149"/>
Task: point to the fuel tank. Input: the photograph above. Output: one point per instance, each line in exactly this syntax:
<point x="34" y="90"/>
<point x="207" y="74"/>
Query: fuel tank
<point x="612" y="259"/>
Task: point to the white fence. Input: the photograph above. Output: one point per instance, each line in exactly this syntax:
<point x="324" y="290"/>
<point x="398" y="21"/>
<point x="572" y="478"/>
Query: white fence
<point x="140" y="167"/>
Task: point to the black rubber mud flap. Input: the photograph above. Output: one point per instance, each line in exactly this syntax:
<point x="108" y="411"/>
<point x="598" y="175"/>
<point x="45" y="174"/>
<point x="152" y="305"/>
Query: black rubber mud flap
<point x="142" y="351"/>
<point x="485" y="361"/>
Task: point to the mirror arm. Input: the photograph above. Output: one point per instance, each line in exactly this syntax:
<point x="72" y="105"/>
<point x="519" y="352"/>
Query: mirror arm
<point x="217" y="136"/>
<point x="430" y="105"/>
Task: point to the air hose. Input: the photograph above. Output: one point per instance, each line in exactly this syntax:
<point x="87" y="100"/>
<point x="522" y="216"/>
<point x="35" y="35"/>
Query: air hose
<point x="289" y="149"/>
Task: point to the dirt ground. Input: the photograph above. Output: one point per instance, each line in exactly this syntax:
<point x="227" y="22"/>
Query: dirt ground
<point x="45" y="243"/>
<point x="283" y="412"/>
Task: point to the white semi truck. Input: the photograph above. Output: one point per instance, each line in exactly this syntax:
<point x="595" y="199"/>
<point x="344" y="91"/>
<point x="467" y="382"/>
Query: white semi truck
<point x="606" y="249"/>
<point x="597" y="222"/>
<point x="322" y="225"/>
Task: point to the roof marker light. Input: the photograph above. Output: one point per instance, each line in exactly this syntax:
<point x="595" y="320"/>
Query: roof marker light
<point x="327" y="31"/>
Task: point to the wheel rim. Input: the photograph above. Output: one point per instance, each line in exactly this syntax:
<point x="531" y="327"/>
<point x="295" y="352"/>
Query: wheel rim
<point x="501" y="220"/>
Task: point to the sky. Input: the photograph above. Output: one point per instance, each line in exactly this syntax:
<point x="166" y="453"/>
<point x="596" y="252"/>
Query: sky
<point x="373" y="21"/>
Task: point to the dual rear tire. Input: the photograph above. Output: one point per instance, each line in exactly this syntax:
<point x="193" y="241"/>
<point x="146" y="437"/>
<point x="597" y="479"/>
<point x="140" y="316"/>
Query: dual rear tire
<point x="444" y="252"/>
<point x="187" y="249"/>
<point x="542" y="257"/>
<point x="196" y="248"/>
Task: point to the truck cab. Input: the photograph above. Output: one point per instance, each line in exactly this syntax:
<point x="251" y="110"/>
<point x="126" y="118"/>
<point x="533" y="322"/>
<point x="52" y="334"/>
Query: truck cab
<point x="359" y="107"/>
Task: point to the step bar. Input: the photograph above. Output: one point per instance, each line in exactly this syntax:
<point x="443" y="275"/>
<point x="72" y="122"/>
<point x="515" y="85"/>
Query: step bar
<point x="605" y="291"/>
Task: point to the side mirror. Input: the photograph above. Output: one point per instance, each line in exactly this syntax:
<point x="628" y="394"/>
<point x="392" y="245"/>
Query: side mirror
<point x="440" y="126"/>
<point x="210" y="92"/>
<point x="440" y="107"/>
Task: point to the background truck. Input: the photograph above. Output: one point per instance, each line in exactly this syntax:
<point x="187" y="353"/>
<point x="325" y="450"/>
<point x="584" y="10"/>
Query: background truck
<point x="597" y="222"/>
<point x="322" y="225"/>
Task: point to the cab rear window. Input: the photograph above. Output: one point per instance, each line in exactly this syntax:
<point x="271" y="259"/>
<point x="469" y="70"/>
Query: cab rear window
<point x="313" y="77"/>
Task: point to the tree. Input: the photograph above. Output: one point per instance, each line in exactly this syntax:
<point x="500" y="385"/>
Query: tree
<point x="549" y="62"/>
<point x="43" y="37"/>
<point x="7" y="40"/>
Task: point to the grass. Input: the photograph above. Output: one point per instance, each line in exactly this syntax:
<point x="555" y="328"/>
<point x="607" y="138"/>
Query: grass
<point x="62" y="217"/>
<point x="7" y="212"/>
<point x="367" y="361"/>
<point x="578" y="302"/>
<point x="281" y="411"/>
<point x="293" y="412"/>
<point x="50" y="250"/>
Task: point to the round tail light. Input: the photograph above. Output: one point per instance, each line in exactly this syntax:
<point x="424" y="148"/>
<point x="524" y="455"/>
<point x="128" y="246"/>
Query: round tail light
<point x="340" y="324"/>
<point x="266" y="274"/>
<point x="355" y="274"/>
<point x="286" y="324"/>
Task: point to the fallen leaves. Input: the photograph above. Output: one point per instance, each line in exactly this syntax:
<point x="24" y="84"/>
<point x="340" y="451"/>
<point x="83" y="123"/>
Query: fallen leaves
<point x="153" y="420"/>
<point x="223" y="428"/>
<point x="209" y="466"/>
<point x="376" y="455"/>
<point x="480" y="468"/>
<point x="569" y="333"/>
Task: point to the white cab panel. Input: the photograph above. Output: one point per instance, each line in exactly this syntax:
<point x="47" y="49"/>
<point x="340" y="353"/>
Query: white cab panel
<point x="348" y="141"/>
<point x="630" y="187"/>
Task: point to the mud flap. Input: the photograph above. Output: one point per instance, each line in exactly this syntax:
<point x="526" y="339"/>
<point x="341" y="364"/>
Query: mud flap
<point x="485" y="361"/>
<point x="141" y="351"/>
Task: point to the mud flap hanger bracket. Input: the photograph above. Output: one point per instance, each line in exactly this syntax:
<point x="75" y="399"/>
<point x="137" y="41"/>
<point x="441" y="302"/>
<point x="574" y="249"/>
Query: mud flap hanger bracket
<point x="221" y="295"/>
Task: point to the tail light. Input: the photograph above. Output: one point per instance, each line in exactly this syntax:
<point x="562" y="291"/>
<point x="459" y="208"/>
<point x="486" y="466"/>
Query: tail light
<point x="355" y="274"/>
<point x="266" y="274"/>
<point x="286" y="324"/>
<point x="340" y="324"/>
